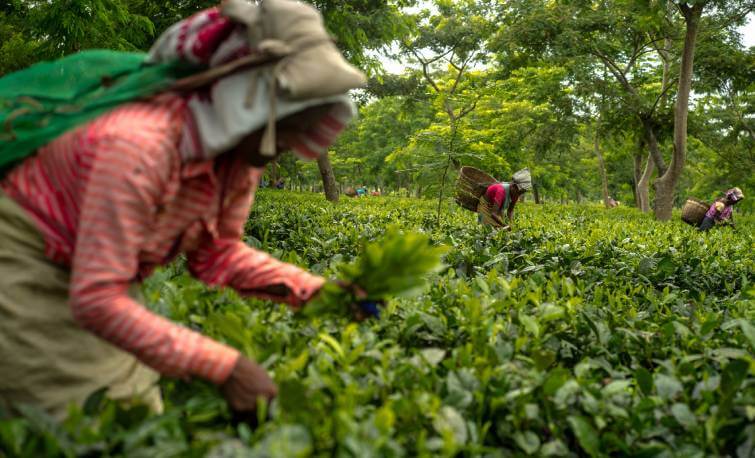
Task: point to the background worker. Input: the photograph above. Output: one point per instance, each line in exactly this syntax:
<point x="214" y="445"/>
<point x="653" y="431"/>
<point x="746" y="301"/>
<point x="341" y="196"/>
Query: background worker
<point x="720" y="212"/>
<point x="504" y="195"/>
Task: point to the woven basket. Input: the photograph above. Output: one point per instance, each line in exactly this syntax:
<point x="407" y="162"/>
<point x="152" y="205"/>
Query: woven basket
<point x="472" y="184"/>
<point x="694" y="211"/>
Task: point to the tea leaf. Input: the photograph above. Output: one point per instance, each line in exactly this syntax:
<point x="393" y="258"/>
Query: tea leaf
<point x="585" y="434"/>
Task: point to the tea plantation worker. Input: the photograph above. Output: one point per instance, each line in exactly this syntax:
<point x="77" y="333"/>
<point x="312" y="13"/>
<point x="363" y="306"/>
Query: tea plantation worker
<point x="504" y="195"/>
<point x="88" y="217"/>
<point x="720" y="211"/>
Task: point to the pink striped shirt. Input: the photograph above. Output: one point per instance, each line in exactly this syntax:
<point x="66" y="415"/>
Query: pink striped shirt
<point x="113" y="200"/>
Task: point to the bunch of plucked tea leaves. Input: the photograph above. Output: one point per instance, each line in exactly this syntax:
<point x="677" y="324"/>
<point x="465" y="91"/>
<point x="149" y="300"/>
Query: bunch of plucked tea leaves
<point x="395" y="265"/>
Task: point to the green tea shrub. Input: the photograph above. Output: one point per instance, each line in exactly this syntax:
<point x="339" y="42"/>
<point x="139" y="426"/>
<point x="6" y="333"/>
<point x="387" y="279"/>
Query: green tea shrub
<point x="584" y="332"/>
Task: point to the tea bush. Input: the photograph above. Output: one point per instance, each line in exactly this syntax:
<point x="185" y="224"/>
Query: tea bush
<point x="584" y="332"/>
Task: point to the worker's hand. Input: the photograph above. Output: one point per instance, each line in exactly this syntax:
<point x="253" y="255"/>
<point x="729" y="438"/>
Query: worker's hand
<point x="497" y="219"/>
<point x="248" y="383"/>
<point x="361" y="307"/>
<point x="366" y="309"/>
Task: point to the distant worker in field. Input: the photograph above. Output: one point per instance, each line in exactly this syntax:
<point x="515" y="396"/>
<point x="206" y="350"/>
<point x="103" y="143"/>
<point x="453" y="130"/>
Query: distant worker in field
<point x="504" y="196"/>
<point x="721" y="211"/>
<point x="361" y="191"/>
<point x="611" y="203"/>
<point x="87" y="216"/>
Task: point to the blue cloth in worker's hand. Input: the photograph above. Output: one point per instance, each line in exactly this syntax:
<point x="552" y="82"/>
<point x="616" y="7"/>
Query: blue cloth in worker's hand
<point x="370" y="308"/>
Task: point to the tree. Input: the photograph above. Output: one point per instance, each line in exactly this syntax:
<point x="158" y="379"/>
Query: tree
<point x="665" y="186"/>
<point x="360" y="27"/>
<point x="328" y="178"/>
<point x="383" y="127"/>
<point x="365" y="26"/>
<point x="450" y="38"/>
<point x="524" y="120"/>
<point x="595" y="41"/>
<point x="692" y="12"/>
<point x="601" y="169"/>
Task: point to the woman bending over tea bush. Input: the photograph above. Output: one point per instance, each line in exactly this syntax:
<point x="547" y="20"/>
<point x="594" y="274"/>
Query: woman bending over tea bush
<point x="720" y="212"/>
<point x="503" y="195"/>
<point x="94" y="211"/>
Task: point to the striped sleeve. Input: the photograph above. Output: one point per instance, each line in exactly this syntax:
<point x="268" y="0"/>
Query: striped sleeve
<point x="118" y="205"/>
<point x="227" y="261"/>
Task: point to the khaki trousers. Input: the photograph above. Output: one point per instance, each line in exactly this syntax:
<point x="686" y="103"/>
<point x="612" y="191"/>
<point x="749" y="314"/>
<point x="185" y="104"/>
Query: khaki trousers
<point x="46" y="359"/>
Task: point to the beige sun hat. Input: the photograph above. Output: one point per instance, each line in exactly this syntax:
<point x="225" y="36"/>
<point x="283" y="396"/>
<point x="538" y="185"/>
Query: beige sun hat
<point x="310" y="65"/>
<point x="264" y="61"/>
<point x="523" y="179"/>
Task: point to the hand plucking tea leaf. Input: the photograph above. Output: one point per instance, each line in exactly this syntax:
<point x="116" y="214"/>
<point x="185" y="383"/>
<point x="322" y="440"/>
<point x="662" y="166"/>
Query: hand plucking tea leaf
<point x="395" y="265"/>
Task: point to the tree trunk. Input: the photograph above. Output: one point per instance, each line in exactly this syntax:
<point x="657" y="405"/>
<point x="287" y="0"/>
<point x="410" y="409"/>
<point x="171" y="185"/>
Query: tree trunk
<point x="328" y="178"/>
<point x="448" y="165"/>
<point x="442" y="185"/>
<point x="274" y="171"/>
<point x="666" y="69"/>
<point x="665" y="186"/>
<point x="536" y="193"/>
<point x="643" y="186"/>
<point x="637" y="175"/>
<point x="602" y="169"/>
<point x="652" y="142"/>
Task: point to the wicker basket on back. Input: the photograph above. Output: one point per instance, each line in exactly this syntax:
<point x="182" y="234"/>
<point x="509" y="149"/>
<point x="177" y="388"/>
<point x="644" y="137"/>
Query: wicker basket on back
<point x="694" y="211"/>
<point x="470" y="186"/>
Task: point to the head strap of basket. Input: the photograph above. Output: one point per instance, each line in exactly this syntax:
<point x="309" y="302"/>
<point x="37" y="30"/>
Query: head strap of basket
<point x="267" y="60"/>
<point x="523" y="179"/>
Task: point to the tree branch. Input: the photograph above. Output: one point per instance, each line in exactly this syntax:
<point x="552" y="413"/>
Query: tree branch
<point x="661" y="95"/>
<point x="458" y="75"/>
<point x="616" y="72"/>
<point x="469" y="109"/>
<point x="425" y="71"/>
